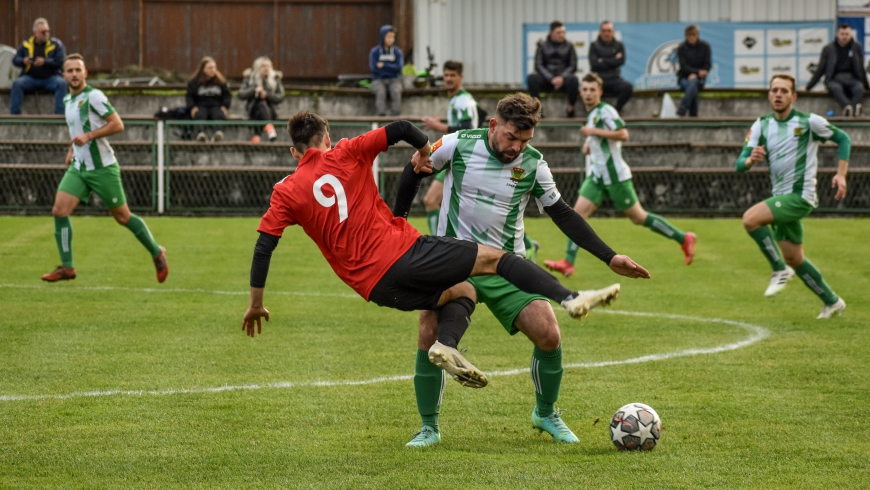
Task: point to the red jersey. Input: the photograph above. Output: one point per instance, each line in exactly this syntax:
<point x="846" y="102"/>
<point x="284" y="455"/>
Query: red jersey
<point x="333" y="196"/>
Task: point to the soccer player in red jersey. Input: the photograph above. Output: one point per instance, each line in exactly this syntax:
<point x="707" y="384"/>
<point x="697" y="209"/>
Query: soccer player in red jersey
<point x="333" y="196"/>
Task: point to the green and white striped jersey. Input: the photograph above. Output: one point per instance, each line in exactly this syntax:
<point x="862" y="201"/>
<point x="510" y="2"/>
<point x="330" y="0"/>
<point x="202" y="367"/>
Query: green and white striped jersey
<point x="484" y="199"/>
<point x="87" y="111"/>
<point x="605" y="161"/>
<point x="792" y="150"/>
<point x="462" y="107"/>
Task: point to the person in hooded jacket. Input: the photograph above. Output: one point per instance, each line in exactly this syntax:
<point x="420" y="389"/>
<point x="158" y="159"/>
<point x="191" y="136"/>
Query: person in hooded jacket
<point x="385" y="61"/>
<point x="262" y="91"/>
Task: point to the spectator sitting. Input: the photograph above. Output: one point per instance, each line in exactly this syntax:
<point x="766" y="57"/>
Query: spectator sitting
<point x="606" y="55"/>
<point x="385" y="61"/>
<point x="842" y="65"/>
<point x="262" y="90"/>
<point x="695" y="61"/>
<point x="41" y="61"/>
<point x="208" y="96"/>
<point x="555" y="64"/>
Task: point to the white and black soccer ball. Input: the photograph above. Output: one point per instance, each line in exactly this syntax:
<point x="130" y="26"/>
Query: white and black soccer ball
<point x="635" y="426"/>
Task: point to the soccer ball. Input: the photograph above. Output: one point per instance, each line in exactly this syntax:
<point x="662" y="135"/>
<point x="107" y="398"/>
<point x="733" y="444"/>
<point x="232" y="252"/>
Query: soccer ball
<point x="635" y="426"/>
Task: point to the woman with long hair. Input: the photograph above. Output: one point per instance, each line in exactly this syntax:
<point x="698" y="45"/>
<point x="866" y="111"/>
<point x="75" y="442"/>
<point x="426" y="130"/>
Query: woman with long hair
<point x="208" y="96"/>
<point x="262" y="89"/>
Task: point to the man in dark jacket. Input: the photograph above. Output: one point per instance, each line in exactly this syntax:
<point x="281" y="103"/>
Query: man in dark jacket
<point x="696" y="58"/>
<point x="385" y="61"/>
<point x="606" y="55"/>
<point x="41" y="61"/>
<point x="842" y="65"/>
<point x="555" y="64"/>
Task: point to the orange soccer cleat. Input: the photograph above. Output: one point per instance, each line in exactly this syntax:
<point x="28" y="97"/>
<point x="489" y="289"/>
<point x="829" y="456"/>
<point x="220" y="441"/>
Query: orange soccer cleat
<point x="563" y="266"/>
<point x="60" y="274"/>
<point x="161" y="265"/>
<point x="688" y="247"/>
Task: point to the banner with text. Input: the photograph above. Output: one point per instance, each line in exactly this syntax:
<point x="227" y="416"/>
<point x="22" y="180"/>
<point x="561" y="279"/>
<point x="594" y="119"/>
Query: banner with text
<point x="744" y="54"/>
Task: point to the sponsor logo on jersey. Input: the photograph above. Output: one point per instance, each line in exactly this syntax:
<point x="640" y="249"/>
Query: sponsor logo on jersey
<point x="434" y="147"/>
<point x="517" y="174"/>
<point x="798" y="131"/>
<point x="471" y="136"/>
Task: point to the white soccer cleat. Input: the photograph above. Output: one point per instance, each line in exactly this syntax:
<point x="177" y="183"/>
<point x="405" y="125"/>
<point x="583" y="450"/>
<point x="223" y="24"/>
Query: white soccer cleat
<point x="834" y="309"/>
<point x="586" y="300"/>
<point x="452" y="361"/>
<point x="778" y="280"/>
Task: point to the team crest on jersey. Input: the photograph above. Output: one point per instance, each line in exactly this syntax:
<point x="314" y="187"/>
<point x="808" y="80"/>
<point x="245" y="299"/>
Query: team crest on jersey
<point x="798" y="131"/>
<point x="517" y="174"/>
<point x="434" y="147"/>
<point x="81" y="103"/>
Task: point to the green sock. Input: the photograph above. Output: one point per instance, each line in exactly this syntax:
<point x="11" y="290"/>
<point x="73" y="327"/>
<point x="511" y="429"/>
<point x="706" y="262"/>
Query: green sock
<point x="571" y="252"/>
<point x="63" y="237"/>
<point x="432" y="219"/>
<point x="428" y="386"/>
<point x="143" y="234"/>
<point x="763" y="236"/>
<point x="661" y="226"/>
<point x="812" y="277"/>
<point x="547" y="378"/>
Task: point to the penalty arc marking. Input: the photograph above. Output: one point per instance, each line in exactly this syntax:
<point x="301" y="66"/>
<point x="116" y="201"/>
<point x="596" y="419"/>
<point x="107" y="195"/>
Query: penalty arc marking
<point x="756" y="334"/>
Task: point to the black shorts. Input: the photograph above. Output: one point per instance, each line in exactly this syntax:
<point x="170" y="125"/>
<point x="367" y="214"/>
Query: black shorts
<point x="431" y="266"/>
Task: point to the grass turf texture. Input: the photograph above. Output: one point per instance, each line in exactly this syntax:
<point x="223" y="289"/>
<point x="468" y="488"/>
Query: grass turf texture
<point x="786" y="412"/>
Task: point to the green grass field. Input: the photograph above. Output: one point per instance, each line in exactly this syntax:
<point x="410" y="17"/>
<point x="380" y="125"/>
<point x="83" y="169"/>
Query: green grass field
<point x="113" y="381"/>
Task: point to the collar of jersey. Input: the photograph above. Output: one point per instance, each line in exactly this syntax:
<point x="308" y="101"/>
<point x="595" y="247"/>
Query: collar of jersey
<point x="308" y="156"/>
<point x="790" y="115"/>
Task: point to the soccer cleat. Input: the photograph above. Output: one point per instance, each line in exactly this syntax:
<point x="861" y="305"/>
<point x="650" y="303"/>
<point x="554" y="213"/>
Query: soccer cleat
<point x="834" y="309"/>
<point x="270" y="130"/>
<point x="201" y="137"/>
<point x="451" y="360"/>
<point x="426" y="437"/>
<point x="778" y="280"/>
<point x="532" y="253"/>
<point x="554" y="425"/>
<point x="218" y="136"/>
<point x="161" y="265"/>
<point x="563" y="266"/>
<point x="859" y="110"/>
<point x="688" y="247"/>
<point x="60" y="274"/>
<point x="579" y="306"/>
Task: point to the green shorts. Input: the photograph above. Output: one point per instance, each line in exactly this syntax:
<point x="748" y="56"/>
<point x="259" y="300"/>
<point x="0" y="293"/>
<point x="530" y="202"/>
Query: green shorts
<point x="788" y="211"/>
<point x="621" y="193"/>
<point x="104" y="182"/>
<point x="439" y="176"/>
<point x="503" y="299"/>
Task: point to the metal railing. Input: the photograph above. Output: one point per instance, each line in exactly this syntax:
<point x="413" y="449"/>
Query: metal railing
<point x="167" y="170"/>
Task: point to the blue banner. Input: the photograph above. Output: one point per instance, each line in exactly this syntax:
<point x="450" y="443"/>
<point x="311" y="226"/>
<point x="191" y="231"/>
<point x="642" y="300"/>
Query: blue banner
<point x="744" y="54"/>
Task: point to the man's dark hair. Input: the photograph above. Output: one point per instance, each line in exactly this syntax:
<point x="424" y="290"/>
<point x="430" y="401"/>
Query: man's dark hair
<point x="73" y="56"/>
<point x="519" y="109"/>
<point x="453" y="65"/>
<point x="593" y="78"/>
<point x="692" y="28"/>
<point x="306" y="129"/>
<point x="844" y="26"/>
<point x="603" y="22"/>
<point x="555" y="25"/>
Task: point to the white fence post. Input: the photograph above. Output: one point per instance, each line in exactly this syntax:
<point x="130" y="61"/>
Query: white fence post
<point x="161" y="178"/>
<point x="376" y="164"/>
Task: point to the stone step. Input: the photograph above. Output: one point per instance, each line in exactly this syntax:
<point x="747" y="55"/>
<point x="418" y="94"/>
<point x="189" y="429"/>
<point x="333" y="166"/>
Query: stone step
<point x="331" y="102"/>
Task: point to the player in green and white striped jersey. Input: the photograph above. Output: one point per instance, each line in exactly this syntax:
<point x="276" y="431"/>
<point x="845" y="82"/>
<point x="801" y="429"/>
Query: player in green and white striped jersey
<point x="92" y="168"/>
<point x="493" y="175"/>
<point x="462" y="113"/>
<point x="607" y="174"/>
<point x="788" y="140"/>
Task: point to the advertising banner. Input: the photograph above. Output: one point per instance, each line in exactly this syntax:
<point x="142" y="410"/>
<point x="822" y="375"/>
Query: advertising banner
<point x="744" y="54"/>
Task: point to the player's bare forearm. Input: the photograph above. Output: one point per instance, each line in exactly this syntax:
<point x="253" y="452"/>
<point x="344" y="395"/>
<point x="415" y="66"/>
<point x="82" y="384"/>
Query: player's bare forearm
<point x="257" y="297"/>
<point x="618" y="135"/>
<point x="839" y="180"/>
<point x="843" y="168"/>
<point x="69" y="156"/>
<point x="114" y="125"/>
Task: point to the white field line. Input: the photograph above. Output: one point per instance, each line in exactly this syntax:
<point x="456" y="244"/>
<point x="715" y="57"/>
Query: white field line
<point x="170" y="290"/>
<point x="756" y="334"/>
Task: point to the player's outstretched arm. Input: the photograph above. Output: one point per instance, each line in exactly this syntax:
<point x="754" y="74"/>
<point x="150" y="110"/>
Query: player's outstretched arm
<point x="844" y="152"/>
<point x="409" y="185"/>
<point x="259" y="271"/>
<point x="578" y="230"/>
<point x="620" y="134"/>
